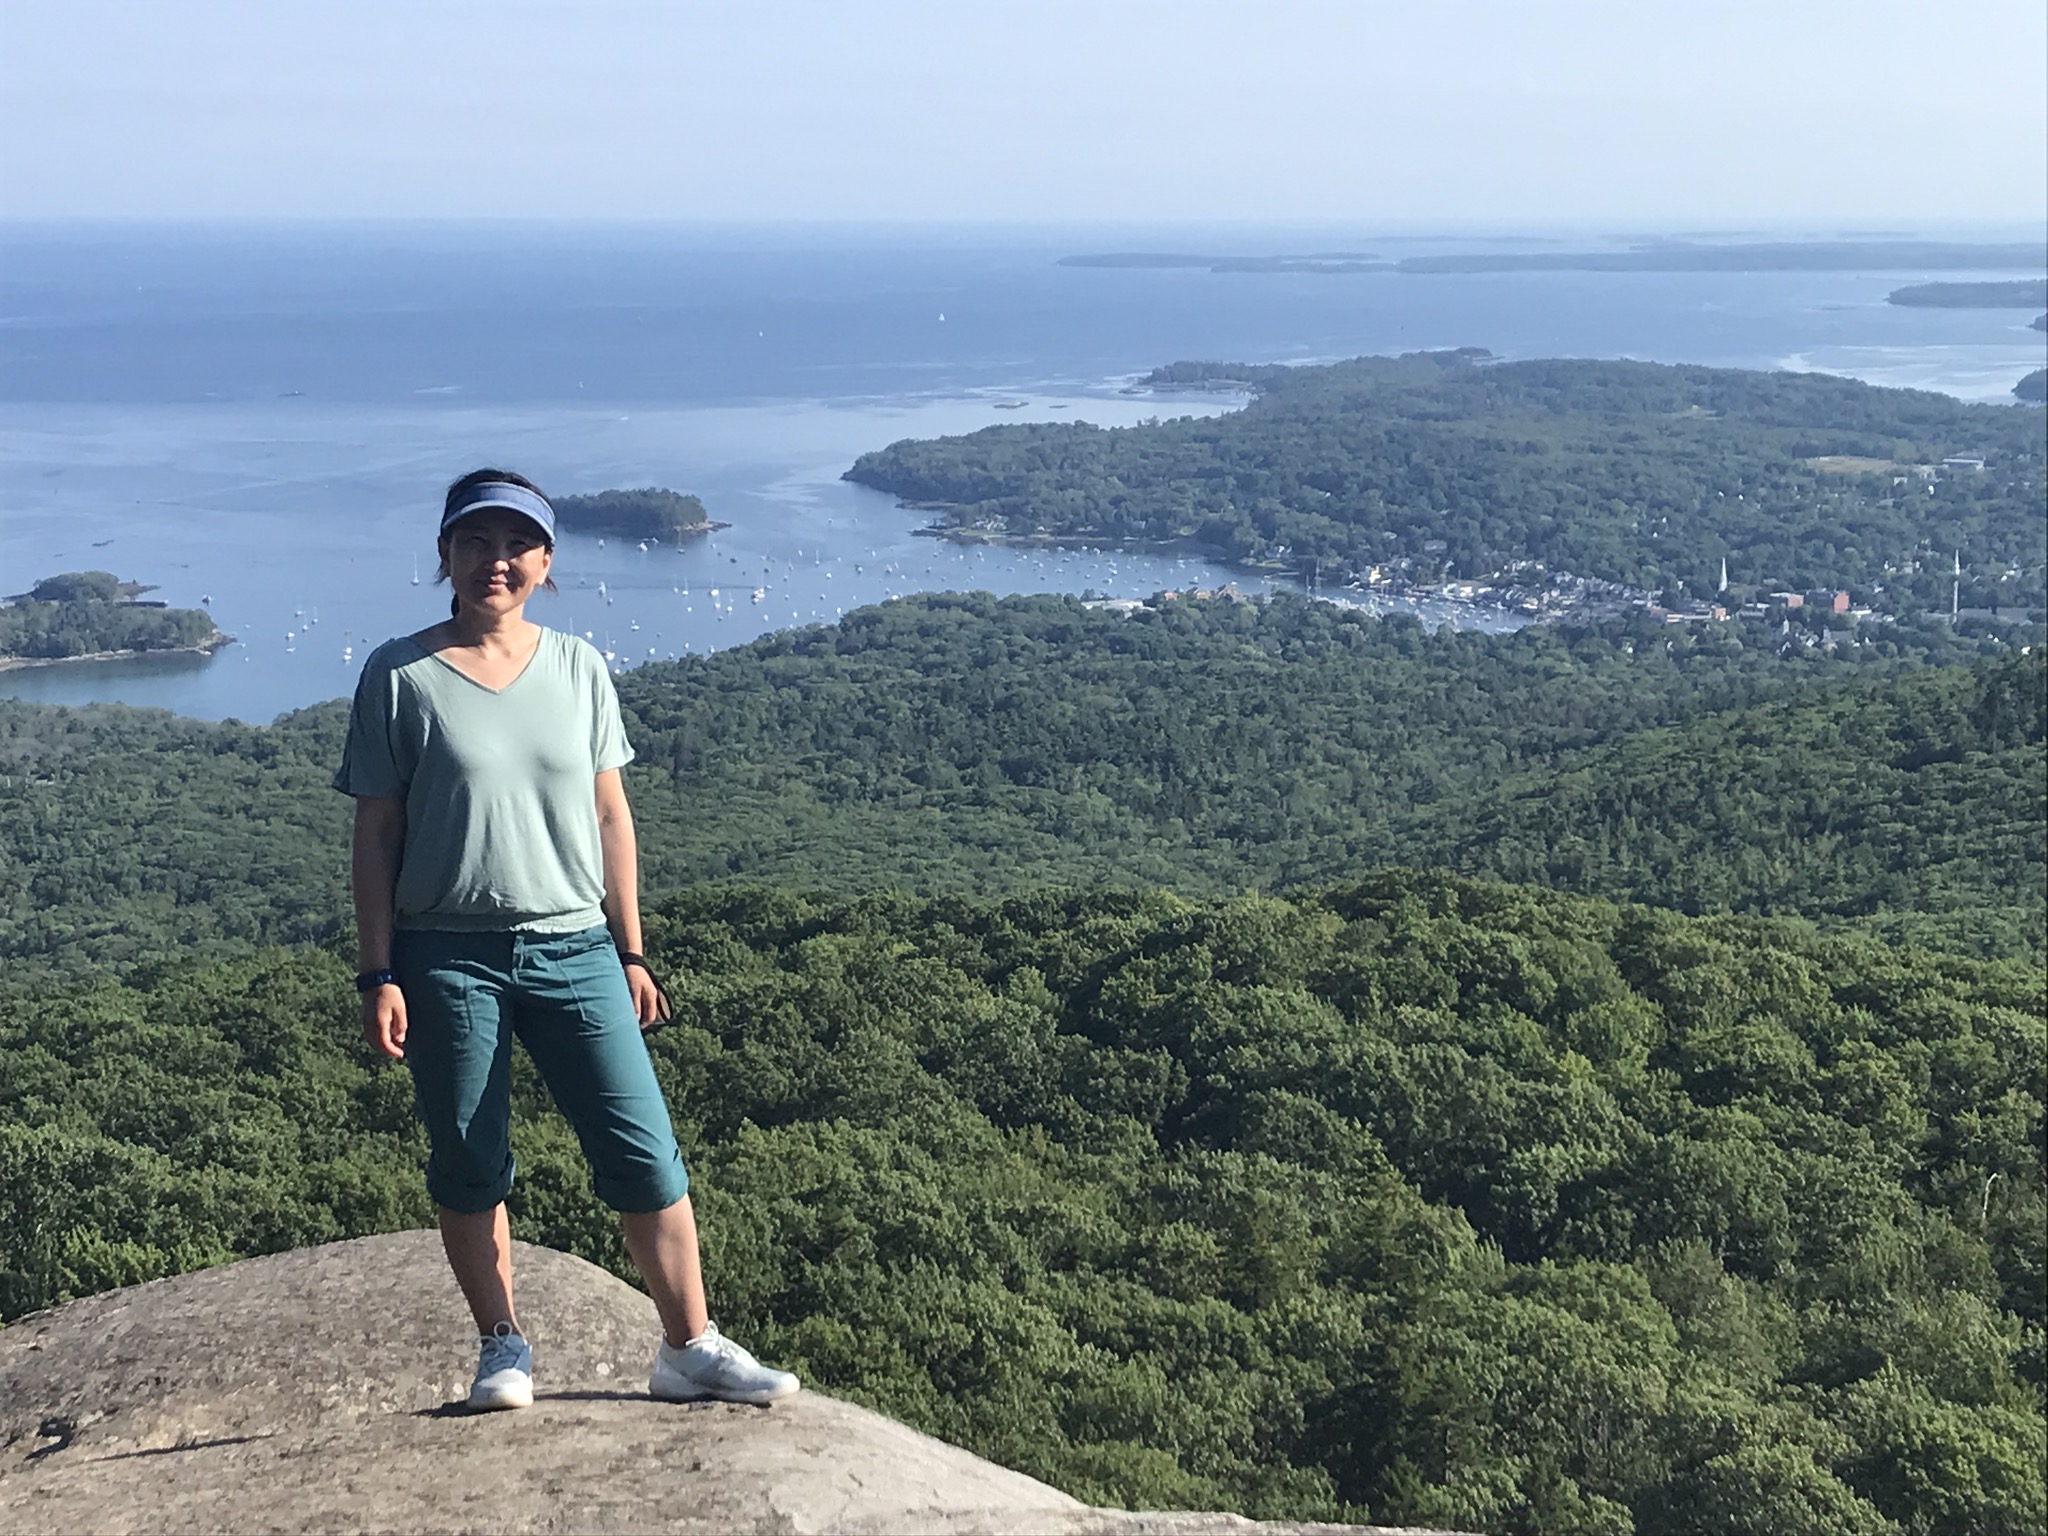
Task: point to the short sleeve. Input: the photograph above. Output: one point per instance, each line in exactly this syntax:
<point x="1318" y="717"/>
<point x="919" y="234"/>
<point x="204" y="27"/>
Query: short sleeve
<point x="609" y="748"/>
<point x="369" y="760"/>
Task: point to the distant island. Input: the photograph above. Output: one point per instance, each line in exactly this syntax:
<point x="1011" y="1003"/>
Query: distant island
<point x="96" y="616"/>
<point x="648" y="513"/>
<point x="1648" y="256"/>
<point x="1765" y="256"/>
<point x="2034" y="387"/>
<point x="1319" y="262"/>
<point x="2021" y="293"/>
<point x="2039" y="323"/>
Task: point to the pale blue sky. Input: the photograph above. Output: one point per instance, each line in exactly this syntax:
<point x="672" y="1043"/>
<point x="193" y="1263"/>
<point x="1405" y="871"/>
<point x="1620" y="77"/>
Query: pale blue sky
<point x="1621" y="113"/>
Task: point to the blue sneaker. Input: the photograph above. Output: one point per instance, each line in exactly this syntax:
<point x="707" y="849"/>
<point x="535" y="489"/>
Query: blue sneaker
<point x="504" y="1371"/>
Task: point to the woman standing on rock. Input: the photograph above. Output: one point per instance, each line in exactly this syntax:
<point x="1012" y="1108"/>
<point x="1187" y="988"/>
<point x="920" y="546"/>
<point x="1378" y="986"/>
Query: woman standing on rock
<point x="496" y="894"/>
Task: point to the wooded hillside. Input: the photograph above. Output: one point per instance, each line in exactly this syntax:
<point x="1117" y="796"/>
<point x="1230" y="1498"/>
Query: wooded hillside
<point x="1630" y="472"/>
<point x="977" y="746"/>
<point x="1416" y="1200"/>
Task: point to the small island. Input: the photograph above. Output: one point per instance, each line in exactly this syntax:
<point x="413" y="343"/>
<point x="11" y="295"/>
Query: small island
<point x="2034" y="387"/>
<point x="96" y="616"/>
<point x="2021" y="293"/>
<point x="649" y="513"/>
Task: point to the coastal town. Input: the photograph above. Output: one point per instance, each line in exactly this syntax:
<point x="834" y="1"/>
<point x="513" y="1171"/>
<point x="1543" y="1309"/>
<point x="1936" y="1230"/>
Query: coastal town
<point x="1803" y="618"/>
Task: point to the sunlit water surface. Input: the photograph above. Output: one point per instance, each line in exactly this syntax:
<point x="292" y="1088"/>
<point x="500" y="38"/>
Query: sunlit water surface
<point x="264" y="422"/>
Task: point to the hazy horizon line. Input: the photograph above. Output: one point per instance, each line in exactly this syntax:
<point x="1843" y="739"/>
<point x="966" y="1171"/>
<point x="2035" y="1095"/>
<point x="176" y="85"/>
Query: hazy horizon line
<point x="1591" y="227"/>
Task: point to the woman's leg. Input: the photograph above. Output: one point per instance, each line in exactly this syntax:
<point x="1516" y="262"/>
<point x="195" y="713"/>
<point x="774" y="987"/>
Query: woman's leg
<point x="459" y="1049"/>
<point x="576" y="1018"/>
<point x="479" y="1248"/>
<point x="663" y="1244"/>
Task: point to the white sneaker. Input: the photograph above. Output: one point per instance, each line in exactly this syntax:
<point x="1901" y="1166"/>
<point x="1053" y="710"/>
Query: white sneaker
<point x="712" y="1366"/>
<point x="504" y="1371"/>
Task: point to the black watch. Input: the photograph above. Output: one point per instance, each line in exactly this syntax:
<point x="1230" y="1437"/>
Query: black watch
<point x="370" y="981"/>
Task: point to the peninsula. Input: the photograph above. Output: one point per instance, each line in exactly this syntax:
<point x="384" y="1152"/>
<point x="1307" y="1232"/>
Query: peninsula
<point x="1546" y="483"/>
<point x="96" y="616"/>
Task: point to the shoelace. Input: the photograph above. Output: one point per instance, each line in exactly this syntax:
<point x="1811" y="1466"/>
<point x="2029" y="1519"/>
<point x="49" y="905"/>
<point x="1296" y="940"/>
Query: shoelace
<point x="502" y="1349"/>
<point x="727" y="1358"/>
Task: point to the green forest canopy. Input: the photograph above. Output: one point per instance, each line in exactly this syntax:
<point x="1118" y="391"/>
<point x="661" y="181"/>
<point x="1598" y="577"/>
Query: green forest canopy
<point x="83" y="613"/>
<point x="1414" y="1199"/>
<point x="969" y="745"/>
<point x="647" y="513"/>
<point x="1407" y="1198"/>
<point x="1641" y="473"/>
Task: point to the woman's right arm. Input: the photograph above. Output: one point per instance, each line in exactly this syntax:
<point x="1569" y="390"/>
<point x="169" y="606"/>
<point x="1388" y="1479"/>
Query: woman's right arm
<point x="373" y="877"/>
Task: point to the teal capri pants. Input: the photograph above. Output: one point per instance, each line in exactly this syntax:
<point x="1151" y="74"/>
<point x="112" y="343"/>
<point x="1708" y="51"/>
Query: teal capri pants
<point x="565" y="996"/>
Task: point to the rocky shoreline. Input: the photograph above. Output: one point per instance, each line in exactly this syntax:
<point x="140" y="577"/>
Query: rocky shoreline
<point x="206" y="647"/>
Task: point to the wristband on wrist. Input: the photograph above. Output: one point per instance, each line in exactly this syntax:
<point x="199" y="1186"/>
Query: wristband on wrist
<point x="663" y="1010"/>
<point x="369" y="981"/>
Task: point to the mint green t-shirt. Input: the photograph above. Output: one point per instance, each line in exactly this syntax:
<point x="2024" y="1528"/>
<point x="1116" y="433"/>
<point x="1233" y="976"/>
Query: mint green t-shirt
<point x="498" y="784"/>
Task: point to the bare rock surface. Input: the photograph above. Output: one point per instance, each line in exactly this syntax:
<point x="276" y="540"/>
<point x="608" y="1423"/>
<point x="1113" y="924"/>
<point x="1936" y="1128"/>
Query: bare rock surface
<point x="321" y="1391"/>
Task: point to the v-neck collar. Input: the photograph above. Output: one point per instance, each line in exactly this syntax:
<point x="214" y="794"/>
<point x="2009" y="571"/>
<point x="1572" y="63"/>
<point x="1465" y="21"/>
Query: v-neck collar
<point x="539" y="640"/>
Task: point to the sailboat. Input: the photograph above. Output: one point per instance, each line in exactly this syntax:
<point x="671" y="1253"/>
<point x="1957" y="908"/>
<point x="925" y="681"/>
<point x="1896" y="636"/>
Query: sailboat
<point x="415" y="570"/>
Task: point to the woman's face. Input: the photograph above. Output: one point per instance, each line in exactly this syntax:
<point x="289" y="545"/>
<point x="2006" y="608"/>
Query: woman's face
<point x="495" y="559"/>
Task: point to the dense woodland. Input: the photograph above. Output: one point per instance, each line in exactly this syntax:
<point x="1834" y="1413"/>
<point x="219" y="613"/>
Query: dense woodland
<point x="970" y="745"/>
<point x="1412" y="1200"/>
<point x="1629" y="472"/>
<point x="83" y="613"/>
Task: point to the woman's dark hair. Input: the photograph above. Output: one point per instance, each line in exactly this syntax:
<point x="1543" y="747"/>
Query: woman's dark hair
<point x="479" y="477"/>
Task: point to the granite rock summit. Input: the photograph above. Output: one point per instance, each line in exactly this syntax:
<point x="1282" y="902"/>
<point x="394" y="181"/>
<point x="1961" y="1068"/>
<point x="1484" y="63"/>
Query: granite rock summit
<point x="321" y="1390"/>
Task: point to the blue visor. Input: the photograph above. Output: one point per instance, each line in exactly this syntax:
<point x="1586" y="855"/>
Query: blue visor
<point x="502" y="493"/>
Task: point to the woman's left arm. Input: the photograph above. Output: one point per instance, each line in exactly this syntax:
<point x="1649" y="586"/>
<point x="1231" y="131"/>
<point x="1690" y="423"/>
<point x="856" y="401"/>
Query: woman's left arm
<point x="622" y="887"/>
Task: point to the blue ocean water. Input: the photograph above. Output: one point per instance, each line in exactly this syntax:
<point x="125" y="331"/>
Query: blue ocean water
<point x="264" y="418"/>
